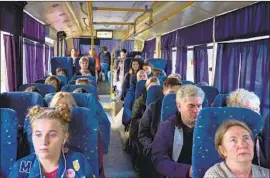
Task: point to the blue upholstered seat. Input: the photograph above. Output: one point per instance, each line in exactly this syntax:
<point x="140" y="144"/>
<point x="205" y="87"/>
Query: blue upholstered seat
<point x="43" y="88"/>
<point x="168" y="107"/>
<point x="204" y="154"/>
<point x="8" y="147"/>
<point x="153" y="94"/>
<point x="89" y="88"/>
<point x="92" y="82"/>
<point x="90" y="101"/>
<point x="83" y="131"/>
<point x="128" y="104"/>
<point x="62" y="62"/>
<point x="186" y="82"/>
<point x="20" y="102"/>
<point x="210" y="93"/>
<point x="220" y="100"/>
<point x="158" y="63"/>
<point x="140" y="88"/>
<point x="75" y="77"/>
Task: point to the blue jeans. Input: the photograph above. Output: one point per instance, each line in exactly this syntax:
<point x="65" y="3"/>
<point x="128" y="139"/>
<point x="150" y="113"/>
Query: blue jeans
<point x="105" y="68"/>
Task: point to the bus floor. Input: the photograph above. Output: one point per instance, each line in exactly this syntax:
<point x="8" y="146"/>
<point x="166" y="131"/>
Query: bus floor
<point x="117" y="163"/>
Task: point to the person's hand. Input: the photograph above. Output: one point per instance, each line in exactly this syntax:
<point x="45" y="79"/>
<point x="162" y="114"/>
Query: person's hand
<point x="190" y="172"/>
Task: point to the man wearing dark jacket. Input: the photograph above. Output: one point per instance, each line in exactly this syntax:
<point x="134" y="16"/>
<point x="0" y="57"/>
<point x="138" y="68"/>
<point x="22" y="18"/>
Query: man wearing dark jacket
<point x="148" y="127"/>
<point x="105" y="62"/>
<point x="172" y="145"/>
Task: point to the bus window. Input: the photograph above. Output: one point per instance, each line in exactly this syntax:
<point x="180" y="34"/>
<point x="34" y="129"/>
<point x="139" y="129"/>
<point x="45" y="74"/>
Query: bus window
<point x="174" y="60"/>
<point x="190" y="65"/>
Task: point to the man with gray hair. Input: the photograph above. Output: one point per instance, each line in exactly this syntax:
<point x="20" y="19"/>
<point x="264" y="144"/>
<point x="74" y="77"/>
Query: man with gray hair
<point x="172" y="146"/>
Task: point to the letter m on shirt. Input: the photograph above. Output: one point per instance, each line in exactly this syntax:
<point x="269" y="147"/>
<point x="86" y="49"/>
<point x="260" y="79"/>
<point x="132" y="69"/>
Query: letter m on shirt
<point x="25" y="166"/>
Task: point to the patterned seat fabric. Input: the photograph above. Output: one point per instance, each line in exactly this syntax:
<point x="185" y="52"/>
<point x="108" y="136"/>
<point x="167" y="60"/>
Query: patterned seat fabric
<point x="9" y="127"/>
<point x="43" y="88"/>
<point x="204" y="154"/>
<point x="90" y="101"/>
<point x="220" y="100"/>
<point x="168" y="107"/>
<point x="62" y="62"/>
<point x="20" y="102"/>
<point x="140" y="88"/>
<point x="153" y="94"/>
<point x="210" y="93"/>
<point x="158" y="63"/>
<point x="92" y="64"/>
<point x="83" y="135"/>
<point x="89" y="88"/>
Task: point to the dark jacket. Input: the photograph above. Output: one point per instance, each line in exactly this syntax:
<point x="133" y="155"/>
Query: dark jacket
<point x="148" y="125"/>
<point x="162" y="148"/>
<point x="137" y="113"/>
<point x="105" y="57"/>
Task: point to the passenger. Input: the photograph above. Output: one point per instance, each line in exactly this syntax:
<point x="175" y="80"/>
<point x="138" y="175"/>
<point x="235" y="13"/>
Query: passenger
<point x="118" y="80"/>
<point x="137" y="113"/>
<point x="141" y="75"/>
<point x="134" y="68"/>
<point x="84" y="64"/>
<point x="80" y="90"/>
<point x="74" y="53"/>
<point x="82" y="81"/>
<point x="61" y="72"/>
<point x="32" y="89"/>
<point x="157" y="73"/>
<point x="121" y="58"/>
<point x="168" y="157"/>
<point x="234" y="143"/>
<point x="148" y="128"/>
<point x="175" y="75"/>
<point x="105" y="62"/>
<point x="63" y="98"/>
<point x="54" y="81"/>
<point x="49" y="135"/>
<point x="138" y="56"/>
<point x="148" y="68"/>
<point x="246" y="99"/>
<point x="92" y="54"/>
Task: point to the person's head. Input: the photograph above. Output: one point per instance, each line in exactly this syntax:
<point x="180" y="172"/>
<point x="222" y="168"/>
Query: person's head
<point x="141" y="75"/>
<point x="73" y="52"/>
<point x="135" y="66"/>
<point x="234" y="142"/>
<point x="63" y="98"/>
<point x="61" y="71"/>
<point x="156" y="72"/>
<point x="104" y="49"/>
<point x="84" y="63"/>
<point x="80" y="90"/>
<point x="244" y="99"/>
<point x="147" y="67"/>
<point x="32" y="89"/>
<point x="49" y="130"/>
<point x="171" y="85"/>
<point x="175" y="75"/>
<point x="54" y="81"/>
<point x="151" y="82"/>
<point x="137" y="56"/>
<point x="82" y="81"/>
<point x="189" y="99"/>
<point x="123" y="53"/>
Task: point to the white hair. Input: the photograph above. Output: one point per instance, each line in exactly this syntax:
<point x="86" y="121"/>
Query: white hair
<point x="189" y="91"/>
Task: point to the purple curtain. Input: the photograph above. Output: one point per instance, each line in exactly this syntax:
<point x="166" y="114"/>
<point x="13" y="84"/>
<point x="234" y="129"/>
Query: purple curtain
<point x="33" y="29"/>
<point x="201" y="64"/>
<point x="51" y="52"/>
<point x="76" y="43"/>
<point x="109" y="43"/>
<point x="39" y="61"/>
<point x="167" y="55"/>
<point x="128" y="45"/>
<point x="149" y="48"/>
<point x="181" y="62"/>
<point x="254" y="75"/>
<point x="66" y="48"/>
<point x="247" y="22"/>
<point x="200" y="33"/>
<point x="227" y="67"/>
<point x="30" y="60"/>
<point x="10" y="56"/>
<point x="47" y="51"/>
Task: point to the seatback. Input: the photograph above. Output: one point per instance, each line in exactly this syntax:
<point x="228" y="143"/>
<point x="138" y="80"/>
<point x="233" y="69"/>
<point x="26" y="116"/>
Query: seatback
<point x="40" y="81"/>
<point x="220" y="100"/>
<point x="140" y="89"/>
<point x="186" y="82"/>
<point x="133" y="53"/>
<point x="210" y="93"/>
<point x="168" y="107"/>
<point x="128" y="104"/>
<point x="90" y="101"/>
<point x="62" y="62"/>
<point x="92" y="82"/>
<point x="153" y="94"/>
<point x="89" y="88"/>
<point x="92" y="64"/>
<point x="162" y="79"/>
<point x="204" y="154"/>
<point x="9" y="127"/>
<point x="75" y="77"/>
<point x="20" y="102"/>
<point x="63" y="79"/>
<point x="83" y="135"/>
<point x="43" y="88"/>
<point x="159" y="63"/>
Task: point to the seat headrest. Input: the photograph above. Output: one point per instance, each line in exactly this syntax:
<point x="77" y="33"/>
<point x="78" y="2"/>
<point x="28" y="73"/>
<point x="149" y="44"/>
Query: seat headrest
<point x="220" y="100"/>
<point x="159" y="63"/>
<point x="140" y="88"/>
<point x="168" y="107"/>
<point x="62" y="62"/>
<point x="43" y="88"/>
<point x="89" y="88"/>
<point x="153" y="94"/>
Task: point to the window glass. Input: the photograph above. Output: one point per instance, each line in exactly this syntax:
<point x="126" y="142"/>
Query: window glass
<point x="190" y="66"/>
<point x="4" y="80"/>
<point x="173" y="60"/>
